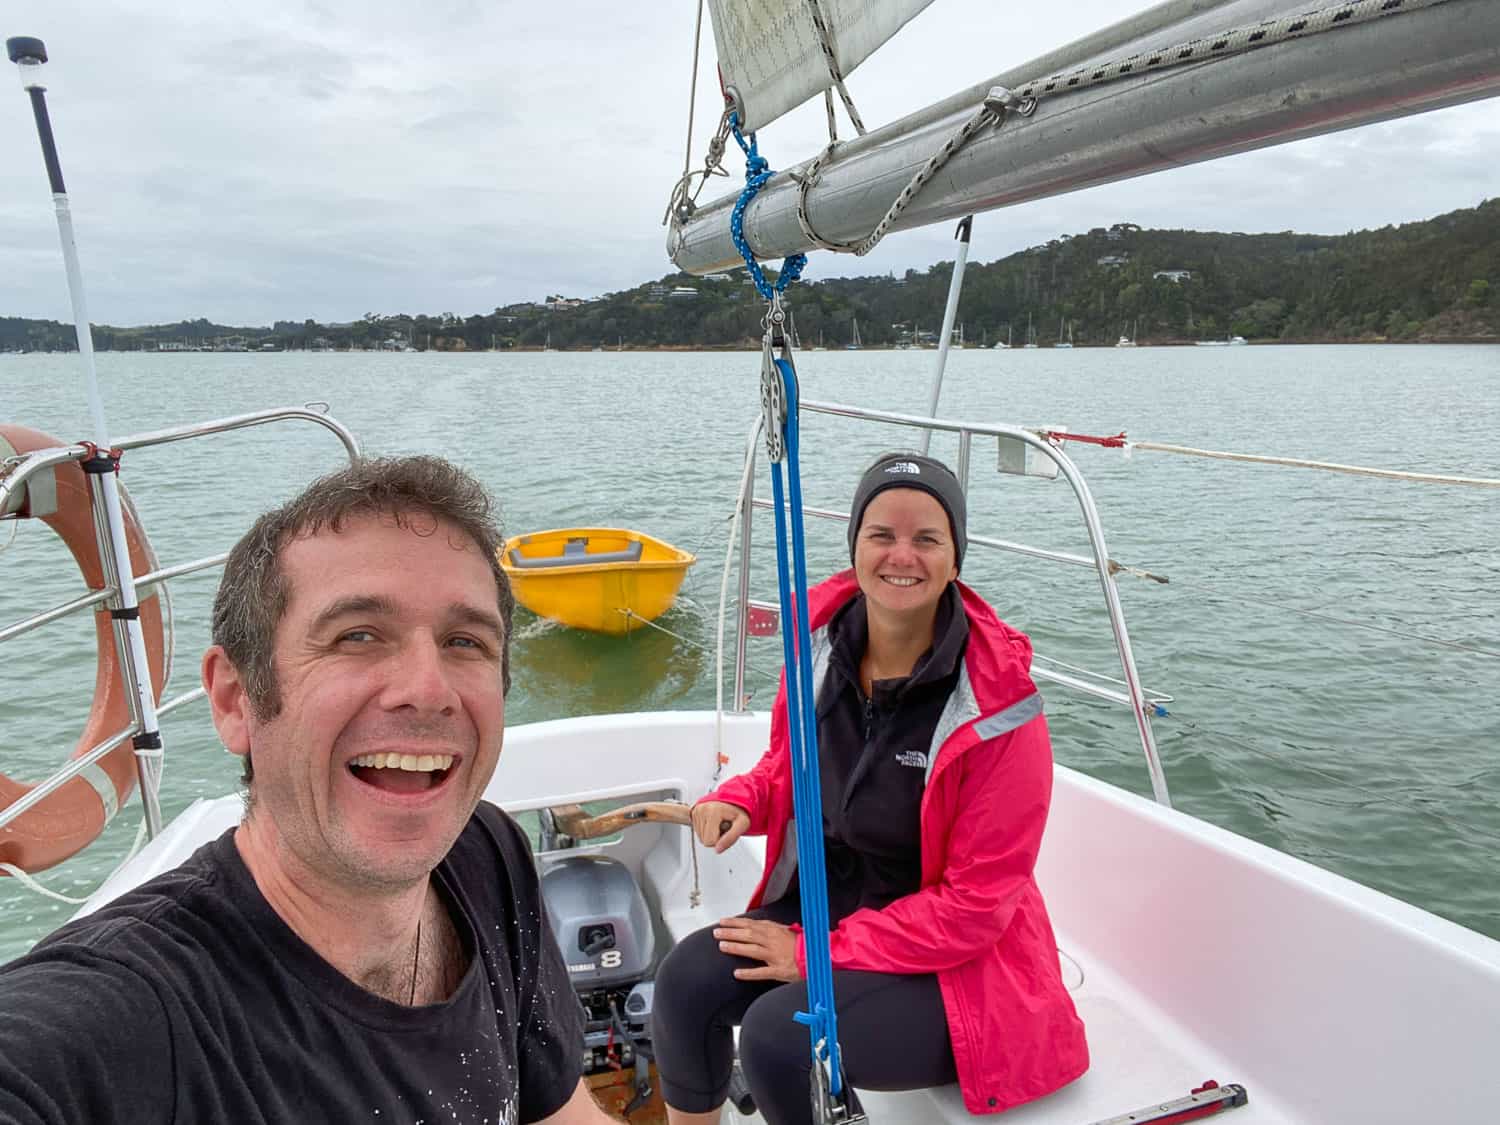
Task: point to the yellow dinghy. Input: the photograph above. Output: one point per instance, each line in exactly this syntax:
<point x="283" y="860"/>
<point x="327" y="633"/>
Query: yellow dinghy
<point x="607" y="579"/>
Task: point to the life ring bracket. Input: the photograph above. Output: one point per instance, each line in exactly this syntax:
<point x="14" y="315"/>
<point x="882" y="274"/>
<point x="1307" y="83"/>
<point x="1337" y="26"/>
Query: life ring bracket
<point x="43" y="478"/>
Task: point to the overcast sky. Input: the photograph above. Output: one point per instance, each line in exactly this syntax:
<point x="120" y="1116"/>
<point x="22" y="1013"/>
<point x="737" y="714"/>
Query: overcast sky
<point x="280" y="160"/>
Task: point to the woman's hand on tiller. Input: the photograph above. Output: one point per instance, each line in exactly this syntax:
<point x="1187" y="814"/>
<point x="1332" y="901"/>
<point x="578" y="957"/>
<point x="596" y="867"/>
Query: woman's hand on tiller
<point x="719" y="824"/>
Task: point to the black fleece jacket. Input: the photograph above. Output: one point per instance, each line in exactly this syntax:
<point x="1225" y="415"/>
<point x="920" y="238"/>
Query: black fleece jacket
<point x="872" y="756"/>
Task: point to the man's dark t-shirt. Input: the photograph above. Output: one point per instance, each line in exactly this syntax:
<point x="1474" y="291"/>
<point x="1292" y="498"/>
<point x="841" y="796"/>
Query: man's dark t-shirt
<point x="190" y="1000"/>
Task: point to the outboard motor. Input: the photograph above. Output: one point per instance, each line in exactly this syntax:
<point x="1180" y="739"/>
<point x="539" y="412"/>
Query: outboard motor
<point x="603" y="928"/>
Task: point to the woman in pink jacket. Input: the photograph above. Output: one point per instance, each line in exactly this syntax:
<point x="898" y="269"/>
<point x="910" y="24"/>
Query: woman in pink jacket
<point x="936" y="774"/>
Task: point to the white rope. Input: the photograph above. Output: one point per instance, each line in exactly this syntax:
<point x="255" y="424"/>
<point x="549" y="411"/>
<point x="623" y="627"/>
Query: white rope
<point x="1326" y="466"/>
<point x="734" y="534"/>
<point x="690" y="583"/>
<point x="1117" y="567"/>
<point x="625" y="611"/>
<point x="31" y="883"/>
<point x="989" y="114"/>
<point x="1063" y="955"/>
<point x="825" y="40"/>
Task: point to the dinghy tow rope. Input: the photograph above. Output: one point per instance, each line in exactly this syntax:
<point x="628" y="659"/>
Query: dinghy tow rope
<point x="1023" y="100"/>
<point x="684" y="639"/>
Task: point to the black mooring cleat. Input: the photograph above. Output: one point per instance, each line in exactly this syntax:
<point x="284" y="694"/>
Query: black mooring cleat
<point x="24" y="47"/>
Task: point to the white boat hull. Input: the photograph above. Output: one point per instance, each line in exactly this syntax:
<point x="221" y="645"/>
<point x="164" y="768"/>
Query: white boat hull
<point x="1191" y="953"/>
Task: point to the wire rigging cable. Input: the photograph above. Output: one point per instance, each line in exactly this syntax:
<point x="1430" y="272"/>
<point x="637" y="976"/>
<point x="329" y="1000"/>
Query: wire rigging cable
<point x="1120" y="441"/>
<point x="684" y="198"/>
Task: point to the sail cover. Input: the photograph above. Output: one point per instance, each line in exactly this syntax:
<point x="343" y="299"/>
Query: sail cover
<point x="770" y="55"/>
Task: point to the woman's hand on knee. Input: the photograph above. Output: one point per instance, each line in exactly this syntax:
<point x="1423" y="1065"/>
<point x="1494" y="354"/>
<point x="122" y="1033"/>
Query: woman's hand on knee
<point x="719" y="824"/>
<point x="770" y="943"/>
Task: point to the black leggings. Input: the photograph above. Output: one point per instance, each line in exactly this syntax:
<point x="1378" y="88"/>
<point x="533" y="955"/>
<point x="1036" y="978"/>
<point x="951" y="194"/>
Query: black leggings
<point x="893" y="1034"/>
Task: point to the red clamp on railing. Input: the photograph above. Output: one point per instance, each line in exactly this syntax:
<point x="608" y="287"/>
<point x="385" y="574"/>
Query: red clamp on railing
<point x="1115" y="442"/>
<point x="100" y="461"/>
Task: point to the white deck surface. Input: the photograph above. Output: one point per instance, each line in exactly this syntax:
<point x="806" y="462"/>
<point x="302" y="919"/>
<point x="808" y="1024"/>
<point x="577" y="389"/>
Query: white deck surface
<point x="1192" y="954"/>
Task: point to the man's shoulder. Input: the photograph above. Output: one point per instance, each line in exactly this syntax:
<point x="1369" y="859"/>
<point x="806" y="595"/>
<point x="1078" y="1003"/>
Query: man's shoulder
<point x="83" y="1034"/>
<point x="104" y="985"/>
<point x="490" y="841"/>
<point x="493" y="878"/>
<point x="178" y="898"/>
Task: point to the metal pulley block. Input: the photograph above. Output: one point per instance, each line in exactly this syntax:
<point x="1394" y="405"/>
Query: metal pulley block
<point x="773" y="407"/>
<point x="773" y="403"/>
<point x="829" y="1109"/>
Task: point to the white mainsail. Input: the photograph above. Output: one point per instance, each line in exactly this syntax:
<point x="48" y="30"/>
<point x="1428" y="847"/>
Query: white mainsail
<point x="771" y="57"/>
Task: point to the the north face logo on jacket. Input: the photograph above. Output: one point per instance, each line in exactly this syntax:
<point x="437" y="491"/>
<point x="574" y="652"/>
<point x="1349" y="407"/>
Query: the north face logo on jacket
<point x="915" y="758"/>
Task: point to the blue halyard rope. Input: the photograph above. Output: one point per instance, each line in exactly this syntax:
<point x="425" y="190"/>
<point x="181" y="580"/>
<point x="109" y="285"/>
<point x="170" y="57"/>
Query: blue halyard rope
<point x="757" y="172"/>
<point x="791" y="579"/>
<point x="802" y="732"/>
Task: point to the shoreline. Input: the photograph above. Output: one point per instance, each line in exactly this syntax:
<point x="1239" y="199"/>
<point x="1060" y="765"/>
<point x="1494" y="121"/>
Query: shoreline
<point x="755" y="349"/>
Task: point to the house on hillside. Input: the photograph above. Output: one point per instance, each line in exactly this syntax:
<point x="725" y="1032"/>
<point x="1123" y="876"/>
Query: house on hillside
<point x="1172" y="275"/>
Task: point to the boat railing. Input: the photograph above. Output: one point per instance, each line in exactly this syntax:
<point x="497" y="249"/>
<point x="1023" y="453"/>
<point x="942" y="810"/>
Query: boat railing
<point x="1021" y="441"/>
<point x="14" y="475"/>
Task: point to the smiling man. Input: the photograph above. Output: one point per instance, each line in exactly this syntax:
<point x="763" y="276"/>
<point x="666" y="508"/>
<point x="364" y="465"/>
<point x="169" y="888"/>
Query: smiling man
<point x="368" y="944"/>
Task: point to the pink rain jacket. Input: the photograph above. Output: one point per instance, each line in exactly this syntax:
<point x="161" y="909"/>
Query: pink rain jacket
<point x="978" y="920"/>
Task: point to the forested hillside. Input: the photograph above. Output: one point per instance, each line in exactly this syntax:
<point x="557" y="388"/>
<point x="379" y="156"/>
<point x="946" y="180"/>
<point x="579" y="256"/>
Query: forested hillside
<point x="1425" y="281"/>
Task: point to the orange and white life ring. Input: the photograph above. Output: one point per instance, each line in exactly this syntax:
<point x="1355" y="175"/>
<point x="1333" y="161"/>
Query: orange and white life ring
<point x="69" y="819"/>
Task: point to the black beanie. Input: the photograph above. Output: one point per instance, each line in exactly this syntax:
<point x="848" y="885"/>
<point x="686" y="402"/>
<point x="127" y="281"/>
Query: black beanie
<point x="912" y="470"/>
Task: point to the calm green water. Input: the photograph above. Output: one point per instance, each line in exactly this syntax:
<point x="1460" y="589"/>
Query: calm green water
<point x="1343" y="738"/>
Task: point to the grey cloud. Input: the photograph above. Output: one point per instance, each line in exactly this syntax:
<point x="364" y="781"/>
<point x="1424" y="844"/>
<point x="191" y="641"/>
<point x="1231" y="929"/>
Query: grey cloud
<point x="272" y="61"/>
<point x="287" y="159"/>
